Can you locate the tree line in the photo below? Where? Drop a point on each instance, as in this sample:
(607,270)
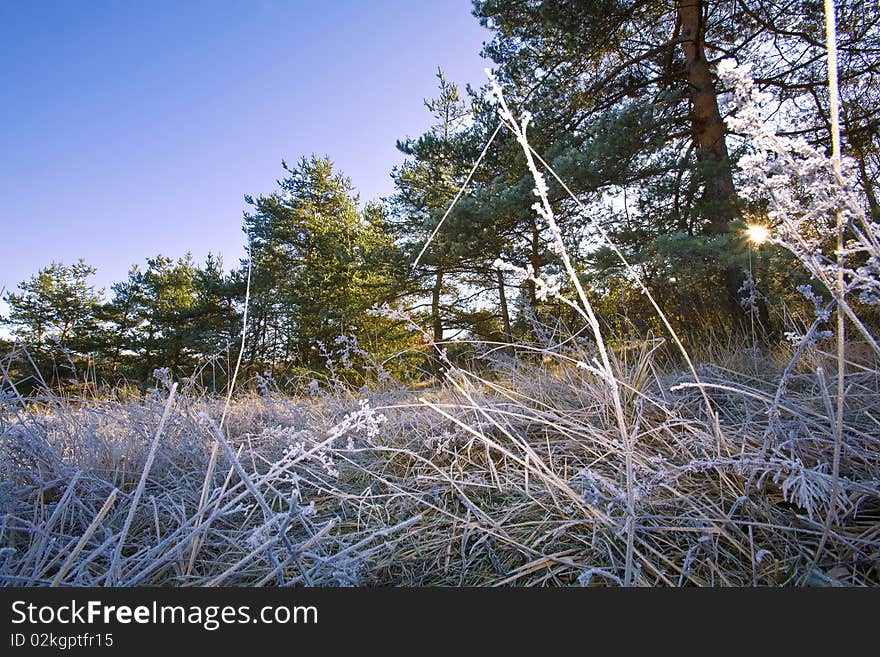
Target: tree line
(626,108)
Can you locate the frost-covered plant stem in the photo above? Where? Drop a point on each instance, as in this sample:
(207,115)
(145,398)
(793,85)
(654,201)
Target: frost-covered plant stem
(113,572)
(840,292)
(824,210)
(716,425)
(545,211)
(809,193)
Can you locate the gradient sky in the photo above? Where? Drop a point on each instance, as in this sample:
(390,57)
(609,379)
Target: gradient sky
(129,129)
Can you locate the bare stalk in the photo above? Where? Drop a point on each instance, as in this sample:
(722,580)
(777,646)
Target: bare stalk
(545,210)
(840,290)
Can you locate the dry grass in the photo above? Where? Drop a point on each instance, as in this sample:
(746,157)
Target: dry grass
(518,478)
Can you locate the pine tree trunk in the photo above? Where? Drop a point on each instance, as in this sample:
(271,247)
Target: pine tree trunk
(707,126)
(437,321)
(867,185)
(259,338)
(707,129)
(535,261)
(505,314)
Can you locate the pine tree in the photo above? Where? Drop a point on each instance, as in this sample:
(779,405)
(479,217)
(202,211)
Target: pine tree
(318,264)
(627,108)
(55,315)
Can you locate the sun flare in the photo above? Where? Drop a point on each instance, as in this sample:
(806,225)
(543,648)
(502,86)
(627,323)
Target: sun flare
(758,234)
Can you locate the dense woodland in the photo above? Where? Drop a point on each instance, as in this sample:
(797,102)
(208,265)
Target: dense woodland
(627,109)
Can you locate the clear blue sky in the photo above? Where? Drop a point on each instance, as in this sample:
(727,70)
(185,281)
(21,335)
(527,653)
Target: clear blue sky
(133,128)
